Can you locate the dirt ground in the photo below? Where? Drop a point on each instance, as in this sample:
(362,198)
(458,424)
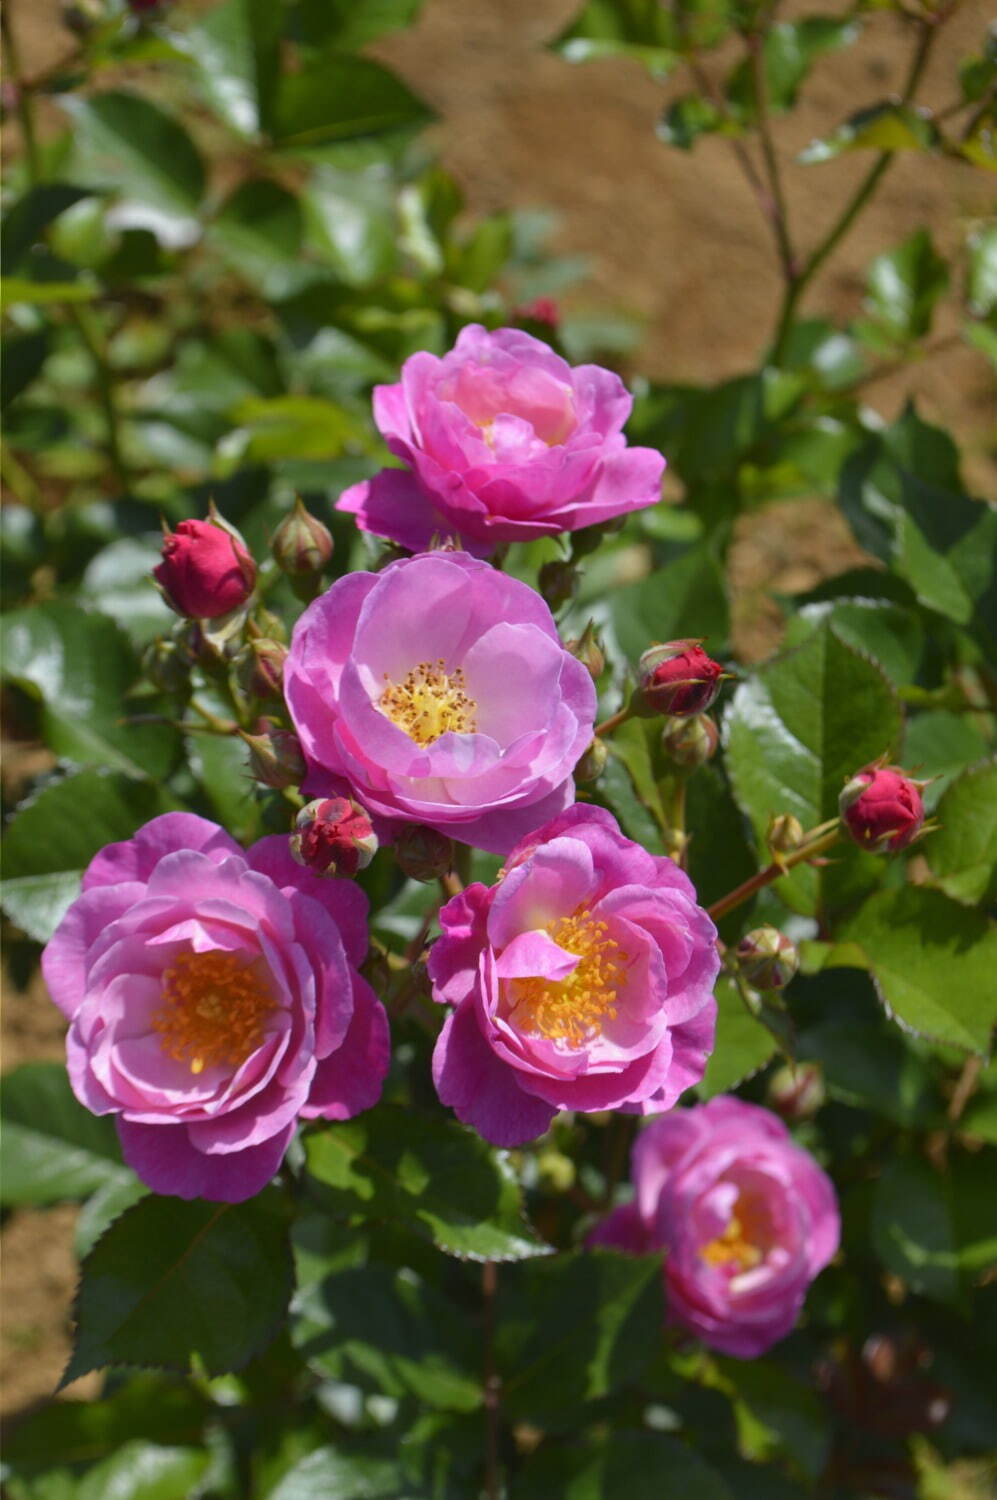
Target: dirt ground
(673,238)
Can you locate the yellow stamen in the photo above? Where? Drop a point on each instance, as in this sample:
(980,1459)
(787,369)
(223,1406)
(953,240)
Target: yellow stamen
(214,1010)
(575,1009)
(430,702)
(734,1247)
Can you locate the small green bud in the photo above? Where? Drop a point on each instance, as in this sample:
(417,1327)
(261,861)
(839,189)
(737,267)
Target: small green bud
(301,545)
(593,762)
(423,853)
(767,958)
(690,743)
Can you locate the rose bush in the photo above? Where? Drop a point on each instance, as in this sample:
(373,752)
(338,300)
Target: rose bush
(213,998)
(505,442)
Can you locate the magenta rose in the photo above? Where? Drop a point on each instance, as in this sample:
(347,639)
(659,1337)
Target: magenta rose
(504,442)
(205,571)
(746,1216)
(439,692)
(213,997)
(582,980)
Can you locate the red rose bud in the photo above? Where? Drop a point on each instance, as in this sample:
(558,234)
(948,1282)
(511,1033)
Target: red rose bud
(301,545)
(205,572)
(333,836)
(677,678)
(784,834)
(260,668)
(690,743)
(797,1093)
(423,853)
(587,650)
(275,756)
(593,762)
(767,959)
(882,809)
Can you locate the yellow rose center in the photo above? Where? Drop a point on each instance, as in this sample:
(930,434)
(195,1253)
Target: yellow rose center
(737,1246)
(572,1010)
(215,1007)
(430,702)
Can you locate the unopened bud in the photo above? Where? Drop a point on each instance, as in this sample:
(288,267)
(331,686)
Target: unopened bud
(677,678)
(588,651)
(543,310)
(301,545)
(275,756)
(259,668)
(881,808)
(557,582)
(797,1092)
(690,743)
(784,834)
(767,959)
(423,853)
(167,665)
(333,836)
(593,762)
(205,571)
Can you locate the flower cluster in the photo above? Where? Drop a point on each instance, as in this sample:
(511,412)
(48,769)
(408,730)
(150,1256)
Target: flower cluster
(746,1217)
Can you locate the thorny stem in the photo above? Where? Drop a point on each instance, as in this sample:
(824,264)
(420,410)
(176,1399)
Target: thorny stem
(794,291)
(774,871)
(492,1383)
(779,214)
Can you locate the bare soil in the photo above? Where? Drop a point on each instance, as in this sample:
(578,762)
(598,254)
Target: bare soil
(675,239)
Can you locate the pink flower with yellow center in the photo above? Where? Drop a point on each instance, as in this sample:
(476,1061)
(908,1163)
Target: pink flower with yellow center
(439,693)
(746,1217)
(504,442)
(213,998)
(582,980)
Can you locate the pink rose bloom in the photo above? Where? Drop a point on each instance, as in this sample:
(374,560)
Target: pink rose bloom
(214,997)
(747,1217)
(582,980)
(505,442)
(439,692)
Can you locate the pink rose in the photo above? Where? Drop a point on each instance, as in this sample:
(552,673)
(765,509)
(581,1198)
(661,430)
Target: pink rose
(505,442)
(881,808)
(582,980)
(439,692)
(213,996)
(747,1218)
(205,571)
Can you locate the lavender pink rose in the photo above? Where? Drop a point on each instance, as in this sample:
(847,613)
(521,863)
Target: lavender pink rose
(504,442)
(747,1219)
(213,998)
(438,692)
(582,980)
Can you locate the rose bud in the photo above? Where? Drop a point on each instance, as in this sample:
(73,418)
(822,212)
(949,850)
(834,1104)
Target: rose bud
(260,668)
(541,310)
(767,959)
(784,835)
(690,743)
(333,836)
(587,650)
(206,571)
(881,808)
(557,582)
(797,1093)
(593,762)
(167,665)
(423,853)
(301,545)
(677,678)
(275,756)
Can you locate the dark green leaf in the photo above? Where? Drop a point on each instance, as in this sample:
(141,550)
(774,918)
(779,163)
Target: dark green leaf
(891,635)
(127,143)
(343,98)
(687,119)
(777,1415)
(23,355)
(145,1471)
(353,222)
(25,221)
(904,284)
(789,50)
(331,1474)
(685,597)
(80,665)
(962,853)
(981,284)
(235,47)
(432,1175)
(258,230)
(573,1329)
(53,1148)
(882,127)
(174,1280)
(743,1045)
(619,1466)
(641,29)
(796,731)
(914,1229)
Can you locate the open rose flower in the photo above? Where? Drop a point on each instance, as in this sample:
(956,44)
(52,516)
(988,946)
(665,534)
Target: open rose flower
(746,1216)
(213,998)
(582,980)
(439,693)
(505,441)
